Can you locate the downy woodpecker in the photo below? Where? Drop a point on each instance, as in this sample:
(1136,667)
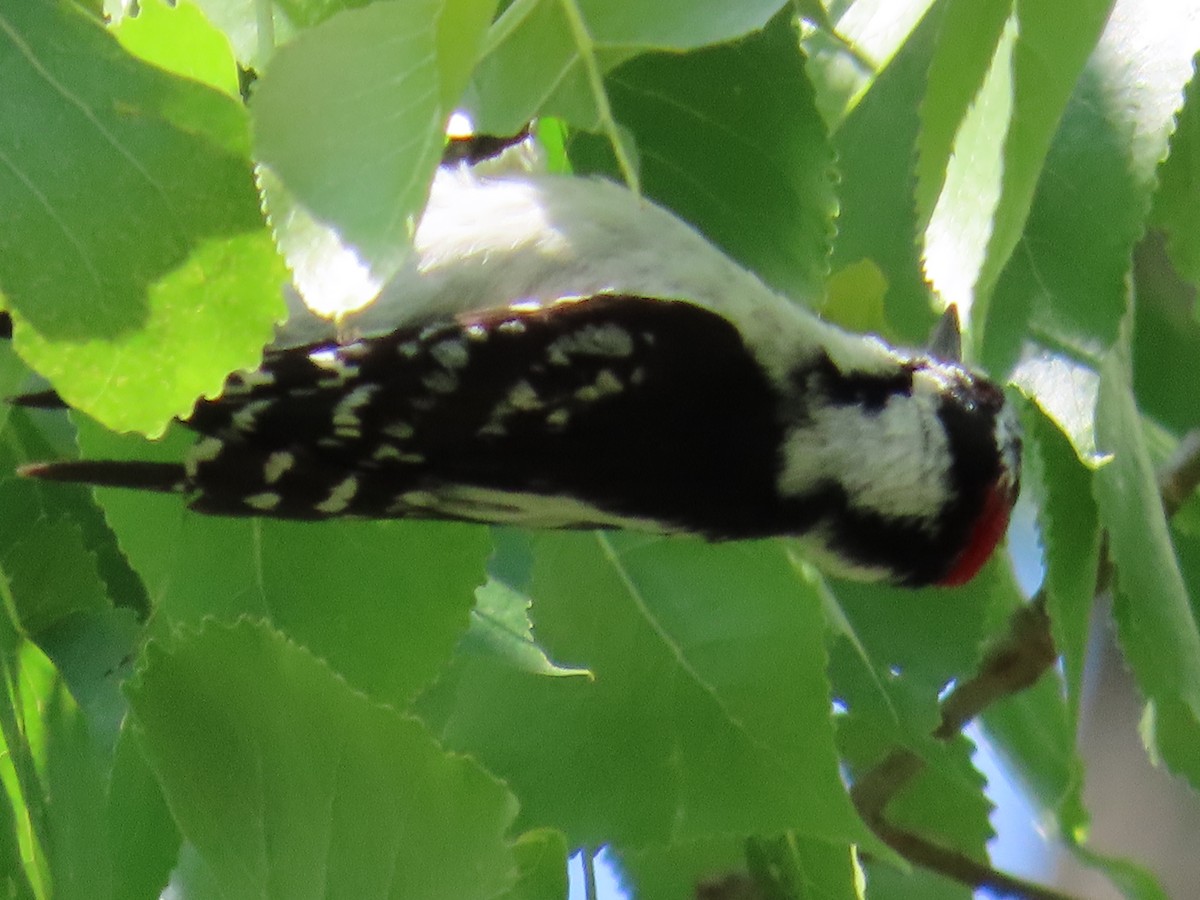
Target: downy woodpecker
(559,353)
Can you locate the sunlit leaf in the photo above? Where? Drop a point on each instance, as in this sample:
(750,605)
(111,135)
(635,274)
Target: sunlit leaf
(1156,622)
(133,242)
(299,781)
(382,602)
(755,178)
(708,697)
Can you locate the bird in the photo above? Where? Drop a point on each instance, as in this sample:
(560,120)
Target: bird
(558,352)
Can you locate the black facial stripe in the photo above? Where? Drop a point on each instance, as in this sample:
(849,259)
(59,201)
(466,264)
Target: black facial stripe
(867,390)
(969,418)
(900,545)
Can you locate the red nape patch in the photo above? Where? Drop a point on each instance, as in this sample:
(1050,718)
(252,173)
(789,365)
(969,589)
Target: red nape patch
(989,528)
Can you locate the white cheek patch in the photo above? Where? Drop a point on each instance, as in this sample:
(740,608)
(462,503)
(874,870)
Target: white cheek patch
(894,462)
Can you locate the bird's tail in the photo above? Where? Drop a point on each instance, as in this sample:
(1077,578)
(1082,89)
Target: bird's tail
(146,476)
(38,400)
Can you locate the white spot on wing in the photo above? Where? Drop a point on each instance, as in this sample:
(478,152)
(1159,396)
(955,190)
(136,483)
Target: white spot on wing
(594,340)
(440,382)
(207,450)
(246,417)
(451,354)
(339,498)
(249,380)
(265,501)
(401,431)
(523,396)
(345,414)
(422,499)
(204,450)
(277,463)
(334,368)
(606,383)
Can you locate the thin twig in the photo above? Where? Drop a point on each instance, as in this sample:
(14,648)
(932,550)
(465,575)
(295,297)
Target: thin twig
(1010,667)
(589,874)
(1181,474)
(960,867)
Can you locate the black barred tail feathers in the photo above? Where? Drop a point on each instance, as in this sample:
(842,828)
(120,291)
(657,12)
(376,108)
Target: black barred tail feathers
(142,476)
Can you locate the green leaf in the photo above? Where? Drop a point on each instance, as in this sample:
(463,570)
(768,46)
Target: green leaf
(708,712)
(54,775)
(1134,881)
(1047,62)
(12,373)
(1177,201)
(134,241)
(673,24)
(62,603)
(26,502)
(1065,391)
(1035,735)
(1166,340)
(1067,287)
(52,577)
(22,850)
(675,872)
(542,865)
(301,785)
(500,628)
(803,867)
(855,298)
(932,635)
(755,178)
(144,837)
(537,62)
(179,39)
(254,30)
(964,117)
(350,116)
(986,133)
(383,602)
(946,803)
(1070,531)
(962,59)
(869,34)
(1155,619)
(877,218)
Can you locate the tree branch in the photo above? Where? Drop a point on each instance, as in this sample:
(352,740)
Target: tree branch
(1181,474)
(959,866)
